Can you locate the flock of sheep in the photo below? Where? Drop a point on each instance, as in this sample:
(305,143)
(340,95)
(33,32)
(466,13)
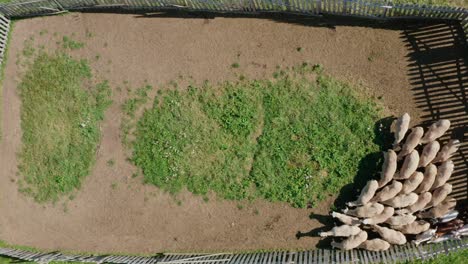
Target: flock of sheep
(412,200)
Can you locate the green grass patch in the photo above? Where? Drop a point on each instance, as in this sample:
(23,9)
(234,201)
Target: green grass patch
(60,116)
(293,139)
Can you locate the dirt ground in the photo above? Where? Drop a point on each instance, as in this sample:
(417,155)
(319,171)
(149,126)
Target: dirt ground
(134,218)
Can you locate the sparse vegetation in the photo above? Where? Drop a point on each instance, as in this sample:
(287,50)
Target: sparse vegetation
(60,123)
(292,139)
(235,65)
(69,43)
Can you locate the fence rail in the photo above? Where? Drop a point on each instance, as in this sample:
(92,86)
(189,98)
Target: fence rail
(393,255)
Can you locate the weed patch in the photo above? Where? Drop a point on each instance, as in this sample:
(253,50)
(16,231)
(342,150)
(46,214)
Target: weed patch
(60,123)
(293,139)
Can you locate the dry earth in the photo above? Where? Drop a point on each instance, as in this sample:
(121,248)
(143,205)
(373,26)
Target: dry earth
(134,218)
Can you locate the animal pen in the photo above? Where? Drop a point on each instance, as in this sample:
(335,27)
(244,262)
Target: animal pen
(370,9)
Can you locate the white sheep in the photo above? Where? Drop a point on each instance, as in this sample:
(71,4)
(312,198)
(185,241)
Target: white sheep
(429,153)
(430,173)
(346,219)
(447,150)
(399,220)
(412,182)
(342,231)
(380,218)
(401,127)
(351,242)
(375,244)
(443,174)
(440,194)
(367,210)
(366,193)
(389,167)
(411,142)
(402,200)
(436,130)
(388,192)
(409,166)
(390,235)
(423,200)
(425,236)
(414,228)
(439,210)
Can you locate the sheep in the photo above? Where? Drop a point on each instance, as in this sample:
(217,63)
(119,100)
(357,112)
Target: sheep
(389,167)
(375,244)
(436,130)
(380,218)
(366,194)
(412,182)
(414,228)
(409,166)
(342,231)
(429,153)
(439,210)
(351,242)
(368,210)
(423,200)
(430,173)
(443,174)
(388,192)
(451,215)
(425,236)
(440,194)
(401,220)
(390,235)
(346,219)
(402,200)
(411,142)
(449,227)
(402,125)
(447,150)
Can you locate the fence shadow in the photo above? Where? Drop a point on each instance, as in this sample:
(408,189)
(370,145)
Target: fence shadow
(438,73)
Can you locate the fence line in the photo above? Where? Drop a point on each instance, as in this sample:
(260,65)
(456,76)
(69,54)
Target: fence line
(395,254)
(376,9)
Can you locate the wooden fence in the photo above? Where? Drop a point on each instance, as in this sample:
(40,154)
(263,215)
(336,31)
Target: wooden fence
(374,9)
(393,255)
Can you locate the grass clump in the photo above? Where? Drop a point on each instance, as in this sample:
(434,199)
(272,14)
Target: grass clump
(69,43)
(291,139)
(60,124)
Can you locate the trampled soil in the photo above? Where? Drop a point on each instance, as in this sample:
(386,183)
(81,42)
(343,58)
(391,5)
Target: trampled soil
(134,218)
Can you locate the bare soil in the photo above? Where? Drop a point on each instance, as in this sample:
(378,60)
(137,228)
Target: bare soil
(134,218)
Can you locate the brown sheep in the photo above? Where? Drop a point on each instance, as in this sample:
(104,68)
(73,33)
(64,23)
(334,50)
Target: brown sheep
(409,166)
(401,127)
(346,219)
(412,182)
(390,235)
(388,192)
(366,194)
(367,210)
(398,220)
(351,242)
(429,153)
(380,218)
(414,228)
(440,194)
(389,167)
(402,200)
(436,130)
(443,174)
(447,150)
(430,173)
(423,200)
(439,210)
(342,231)
(411,142)
(375,244)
